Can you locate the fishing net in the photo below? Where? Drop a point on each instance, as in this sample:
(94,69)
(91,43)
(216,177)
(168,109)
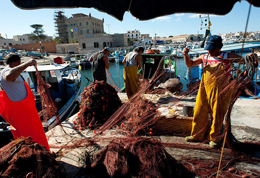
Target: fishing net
(25,158)
(99,102)
(136,157)
(49,109)
(132,130)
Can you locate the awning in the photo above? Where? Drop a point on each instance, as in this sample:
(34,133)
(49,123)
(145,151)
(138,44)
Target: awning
(141,9)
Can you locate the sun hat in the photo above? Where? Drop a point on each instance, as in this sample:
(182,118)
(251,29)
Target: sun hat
(213,42)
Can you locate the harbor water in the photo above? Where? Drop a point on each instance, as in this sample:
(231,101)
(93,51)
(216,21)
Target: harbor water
(116,71)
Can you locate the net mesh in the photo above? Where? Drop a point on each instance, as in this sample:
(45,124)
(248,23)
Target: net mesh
(133,150)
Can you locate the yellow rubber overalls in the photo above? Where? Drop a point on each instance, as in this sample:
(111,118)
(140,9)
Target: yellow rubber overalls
(131,80)
(213,81)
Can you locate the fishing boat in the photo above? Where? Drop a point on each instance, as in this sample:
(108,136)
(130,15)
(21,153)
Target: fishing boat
(85,64)
(3,53)
(64,89)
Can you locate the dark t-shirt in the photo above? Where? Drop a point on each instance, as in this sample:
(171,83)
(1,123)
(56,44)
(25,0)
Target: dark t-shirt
(99,67)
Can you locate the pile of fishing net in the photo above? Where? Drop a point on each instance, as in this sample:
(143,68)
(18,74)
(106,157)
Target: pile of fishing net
(25,158)
(134,117)
(99,102)
(136,157)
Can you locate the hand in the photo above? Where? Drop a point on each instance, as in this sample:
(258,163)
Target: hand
(31,62)
(185,51)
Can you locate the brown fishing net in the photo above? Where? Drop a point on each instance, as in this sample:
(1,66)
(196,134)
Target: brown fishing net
(48,107)
(99,102)
(25,158)
(136,148)
(136,157)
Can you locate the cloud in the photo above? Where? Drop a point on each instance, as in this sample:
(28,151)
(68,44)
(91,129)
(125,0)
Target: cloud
(164,18)
(194,16)
(178,19)
(179,15)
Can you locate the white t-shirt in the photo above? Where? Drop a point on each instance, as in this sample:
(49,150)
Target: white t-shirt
(15,90)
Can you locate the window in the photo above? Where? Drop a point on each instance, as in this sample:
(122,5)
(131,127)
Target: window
(87,30)
(20,39)
(96,45)
(72,34)
(23,39)
(104,44)
(81,31)
(80,24)
(83,45)
(86,23)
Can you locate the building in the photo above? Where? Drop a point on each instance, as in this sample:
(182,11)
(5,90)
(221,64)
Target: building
(134,34)
(197,37)
(4,43)
(87,32)
(78,26)
(25,39)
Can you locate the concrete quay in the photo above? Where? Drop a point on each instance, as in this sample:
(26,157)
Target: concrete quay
(245,122)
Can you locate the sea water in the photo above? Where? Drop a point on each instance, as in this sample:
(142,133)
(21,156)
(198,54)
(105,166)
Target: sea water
(116,71)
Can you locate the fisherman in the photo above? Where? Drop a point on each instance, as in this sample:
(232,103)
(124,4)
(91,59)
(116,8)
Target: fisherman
(132,62)
(208,101)
(17,104)
(100,64)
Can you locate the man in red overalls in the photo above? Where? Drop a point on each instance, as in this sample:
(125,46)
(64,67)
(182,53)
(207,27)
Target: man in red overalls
(17,105)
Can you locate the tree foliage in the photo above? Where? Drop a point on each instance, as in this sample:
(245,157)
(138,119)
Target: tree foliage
(38,33)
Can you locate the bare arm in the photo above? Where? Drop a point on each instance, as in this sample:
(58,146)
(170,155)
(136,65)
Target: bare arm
(138,59)
(188,61)
(105,59)
(124,61)
(12,74)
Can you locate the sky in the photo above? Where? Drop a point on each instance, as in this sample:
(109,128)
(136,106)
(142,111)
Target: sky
(16,21)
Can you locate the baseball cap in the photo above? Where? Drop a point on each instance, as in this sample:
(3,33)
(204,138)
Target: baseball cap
(213,42)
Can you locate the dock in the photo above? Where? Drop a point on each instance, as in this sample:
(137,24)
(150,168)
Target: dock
(245,121)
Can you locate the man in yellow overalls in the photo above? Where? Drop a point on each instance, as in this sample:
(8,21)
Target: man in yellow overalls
(215,78)
(132,63)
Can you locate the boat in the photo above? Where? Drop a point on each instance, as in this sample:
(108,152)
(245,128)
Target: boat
(35,54)
(3,53)
(64,89)
(85,64)
(119,58)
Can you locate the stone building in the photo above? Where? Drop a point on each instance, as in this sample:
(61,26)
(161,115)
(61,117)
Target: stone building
(25,39)
(134,34)
(78,26)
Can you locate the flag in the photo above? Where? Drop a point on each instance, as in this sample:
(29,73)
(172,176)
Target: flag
(209,23)
(76,30)
(71,30)
(201,22)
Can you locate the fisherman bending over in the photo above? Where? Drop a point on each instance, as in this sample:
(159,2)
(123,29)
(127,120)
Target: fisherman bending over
(132,62)
(100,64)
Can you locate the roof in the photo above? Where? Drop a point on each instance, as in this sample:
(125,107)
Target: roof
(46,67)
(141,9)
(230,47)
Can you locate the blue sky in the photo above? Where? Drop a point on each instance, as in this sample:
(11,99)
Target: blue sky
(16,21)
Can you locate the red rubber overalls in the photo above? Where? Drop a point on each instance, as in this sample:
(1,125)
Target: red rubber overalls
(23,117)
